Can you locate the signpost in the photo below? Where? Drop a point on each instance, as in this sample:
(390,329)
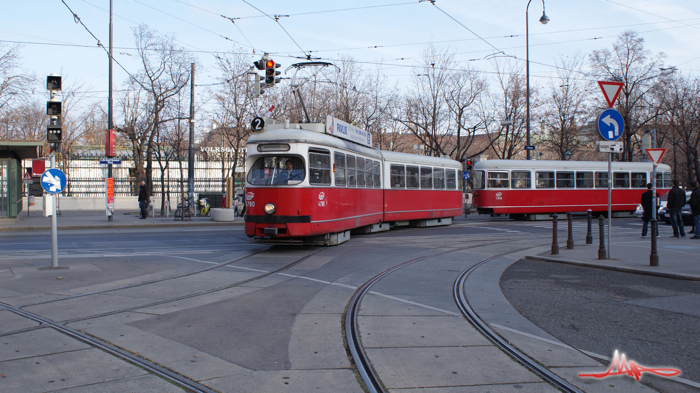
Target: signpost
(53,181)
(610,125)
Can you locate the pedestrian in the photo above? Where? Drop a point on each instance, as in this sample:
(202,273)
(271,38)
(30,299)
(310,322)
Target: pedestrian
(676,201)
(144,200)
(648,209)
(695,209)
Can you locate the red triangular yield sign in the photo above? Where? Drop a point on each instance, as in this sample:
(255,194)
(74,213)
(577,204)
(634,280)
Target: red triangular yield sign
(655,155)
(610,90)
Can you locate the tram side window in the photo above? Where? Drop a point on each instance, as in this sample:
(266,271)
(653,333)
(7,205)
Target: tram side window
(319,168)
(520,179)
(360,163)
(601,180)
(497,179)
(479,180)
(377,174)
(639,179)
(369,168)
(565,180)
(350,170)
(451,179)
(398,178)
(544,179)
(339,169)
(412,177)
(584,179)
(621,180)
(663,180)
(426,177)
(439,178)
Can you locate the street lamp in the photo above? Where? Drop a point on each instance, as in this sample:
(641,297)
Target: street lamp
(543,19)
(567,155)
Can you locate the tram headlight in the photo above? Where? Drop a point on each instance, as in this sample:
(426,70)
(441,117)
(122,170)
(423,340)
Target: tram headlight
(270,208)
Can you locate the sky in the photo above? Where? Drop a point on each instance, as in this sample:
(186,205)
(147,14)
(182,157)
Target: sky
(393,33)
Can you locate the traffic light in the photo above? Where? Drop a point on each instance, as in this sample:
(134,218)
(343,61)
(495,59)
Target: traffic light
(54,130)
(271,73)
(469,164)
(53,109)
(53,83)
(260,64)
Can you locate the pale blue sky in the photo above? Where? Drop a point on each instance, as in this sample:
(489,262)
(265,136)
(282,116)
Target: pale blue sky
(393,32)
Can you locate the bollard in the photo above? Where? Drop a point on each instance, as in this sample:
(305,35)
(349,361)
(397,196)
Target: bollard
(555,246)
(601,230)
(570,238)
(589,235)
(653,257)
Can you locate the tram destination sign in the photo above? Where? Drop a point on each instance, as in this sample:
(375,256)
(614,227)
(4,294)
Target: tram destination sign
(347,131)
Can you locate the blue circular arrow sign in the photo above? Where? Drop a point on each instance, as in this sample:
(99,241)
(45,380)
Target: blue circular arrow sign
(610,124)
(53,181)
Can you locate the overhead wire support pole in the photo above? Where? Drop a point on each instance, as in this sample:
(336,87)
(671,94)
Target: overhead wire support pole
(544,19)
(110,217)
(190,150)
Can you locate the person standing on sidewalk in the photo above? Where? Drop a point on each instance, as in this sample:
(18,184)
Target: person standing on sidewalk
(695,209)
(647,207)
(676,201)
(144,199)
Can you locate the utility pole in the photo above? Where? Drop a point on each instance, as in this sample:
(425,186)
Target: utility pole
(110,217)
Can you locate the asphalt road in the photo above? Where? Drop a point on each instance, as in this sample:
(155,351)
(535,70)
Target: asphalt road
(654,321)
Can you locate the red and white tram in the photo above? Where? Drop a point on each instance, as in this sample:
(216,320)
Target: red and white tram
(534,189)
(304,182)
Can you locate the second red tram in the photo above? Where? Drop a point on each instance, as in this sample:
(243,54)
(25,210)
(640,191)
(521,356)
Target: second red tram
(534,189)
(304,182)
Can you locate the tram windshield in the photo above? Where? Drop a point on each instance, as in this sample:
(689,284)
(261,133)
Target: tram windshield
(277,171)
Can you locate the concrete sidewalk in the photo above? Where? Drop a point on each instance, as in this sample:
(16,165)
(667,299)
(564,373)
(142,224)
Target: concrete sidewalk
(74,219)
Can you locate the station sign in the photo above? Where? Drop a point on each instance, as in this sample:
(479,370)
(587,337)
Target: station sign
(112,161)
(529,147)
(347,131)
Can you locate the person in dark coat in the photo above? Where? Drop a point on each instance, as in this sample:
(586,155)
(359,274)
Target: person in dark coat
(648,209)
(144,199)
(676,201)
(695,209)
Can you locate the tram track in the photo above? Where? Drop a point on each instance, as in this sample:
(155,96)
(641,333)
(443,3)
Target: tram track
(362,362)
(364,367)
(124,354)
(501,343)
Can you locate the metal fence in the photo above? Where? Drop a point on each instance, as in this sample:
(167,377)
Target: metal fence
(86,178)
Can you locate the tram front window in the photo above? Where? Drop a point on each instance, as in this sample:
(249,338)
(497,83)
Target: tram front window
(276,171)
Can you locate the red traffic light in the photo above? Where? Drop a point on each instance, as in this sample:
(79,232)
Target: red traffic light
(270,64)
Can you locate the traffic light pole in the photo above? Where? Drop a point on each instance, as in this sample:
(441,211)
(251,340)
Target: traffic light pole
(54,221)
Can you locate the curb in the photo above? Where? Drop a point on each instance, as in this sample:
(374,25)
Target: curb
(617,268)
(118,226)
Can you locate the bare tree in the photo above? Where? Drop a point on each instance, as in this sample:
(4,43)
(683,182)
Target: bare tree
(629,62)
(464,89)
(424,112)
(165,72)
(14,84)
(502,113)
(681,113)
(566,108)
